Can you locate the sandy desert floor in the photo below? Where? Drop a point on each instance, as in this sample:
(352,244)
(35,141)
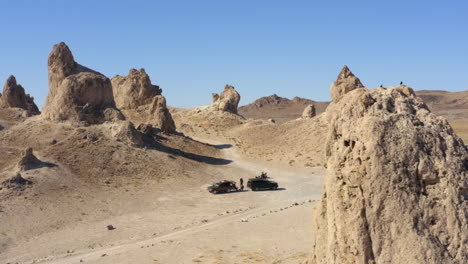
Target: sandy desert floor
(178,221)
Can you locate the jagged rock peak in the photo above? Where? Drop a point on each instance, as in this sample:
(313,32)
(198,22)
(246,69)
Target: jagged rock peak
(60,62)
(134,90)
(396,188)
(76,93)
(309,112)
(11,81)
(15,96)
(345,82)
(228,101)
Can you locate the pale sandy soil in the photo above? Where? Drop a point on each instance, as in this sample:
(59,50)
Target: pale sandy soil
(171,221)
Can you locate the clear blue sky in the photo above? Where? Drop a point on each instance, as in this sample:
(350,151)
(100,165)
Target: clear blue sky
(193,48)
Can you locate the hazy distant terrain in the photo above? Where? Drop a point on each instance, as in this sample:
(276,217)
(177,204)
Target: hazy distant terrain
(280,109)
(451,105)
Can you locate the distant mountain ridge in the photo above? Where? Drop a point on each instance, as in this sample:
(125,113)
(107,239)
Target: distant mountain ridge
(451,105)
(279,108)
(438,99)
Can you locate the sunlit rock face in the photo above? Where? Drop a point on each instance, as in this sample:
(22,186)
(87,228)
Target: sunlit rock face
(396,186)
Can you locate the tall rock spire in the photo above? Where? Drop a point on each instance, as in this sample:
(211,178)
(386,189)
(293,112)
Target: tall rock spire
(345,82)
(15,96)
(76,93)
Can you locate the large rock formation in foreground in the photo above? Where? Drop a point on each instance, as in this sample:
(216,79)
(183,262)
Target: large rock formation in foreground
(76,93)
(227,101)
(345,82)
(15,96)
(133,90)
(396,187)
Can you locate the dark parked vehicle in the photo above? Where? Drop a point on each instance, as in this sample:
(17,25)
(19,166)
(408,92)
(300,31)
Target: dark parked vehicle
(261,183)
(224,186)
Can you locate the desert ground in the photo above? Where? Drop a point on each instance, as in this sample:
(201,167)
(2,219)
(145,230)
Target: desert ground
(117,176)
(163,214)
(173,220)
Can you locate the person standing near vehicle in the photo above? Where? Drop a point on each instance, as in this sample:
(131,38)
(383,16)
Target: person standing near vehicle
(241,184)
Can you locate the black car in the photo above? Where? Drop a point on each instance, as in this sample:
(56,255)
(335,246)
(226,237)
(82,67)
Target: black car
(224,186)
(261,183)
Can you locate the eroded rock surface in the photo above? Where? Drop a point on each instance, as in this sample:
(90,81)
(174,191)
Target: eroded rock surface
(227,101)
(15,96)
(345,82)
(125,131)
(161,117)
(76,93)
(396,187)
(134,90)
(215,97)
(309,112)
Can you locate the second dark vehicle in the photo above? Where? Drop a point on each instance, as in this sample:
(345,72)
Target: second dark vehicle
(223,187)
(261,184)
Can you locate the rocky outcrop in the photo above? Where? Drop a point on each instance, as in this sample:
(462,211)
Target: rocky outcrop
(76,93)
(16,182)
(124,131)
(133,90)
(396,189)
(15,96)
(345,83)
(227,101)
(309,112)
(142,101)
(215,97)
(28,161)
(161,117)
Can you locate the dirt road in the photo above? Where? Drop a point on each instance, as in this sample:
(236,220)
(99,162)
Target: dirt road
(190,225)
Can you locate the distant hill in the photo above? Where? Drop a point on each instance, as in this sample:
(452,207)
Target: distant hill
(442,101)
(452,105)
(279,108)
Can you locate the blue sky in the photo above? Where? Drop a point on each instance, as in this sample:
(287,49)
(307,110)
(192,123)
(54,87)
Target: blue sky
(193,48)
